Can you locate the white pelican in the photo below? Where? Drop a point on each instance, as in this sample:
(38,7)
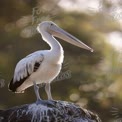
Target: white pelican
(43,66)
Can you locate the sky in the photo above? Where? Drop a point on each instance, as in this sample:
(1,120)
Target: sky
(114,38)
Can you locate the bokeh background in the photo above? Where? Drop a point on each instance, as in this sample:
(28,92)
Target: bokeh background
(92,80)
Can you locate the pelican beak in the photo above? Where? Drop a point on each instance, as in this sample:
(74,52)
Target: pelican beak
(60,33)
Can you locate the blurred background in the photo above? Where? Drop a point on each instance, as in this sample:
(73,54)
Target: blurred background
(92,80)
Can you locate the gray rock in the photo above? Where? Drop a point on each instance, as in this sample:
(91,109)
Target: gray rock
(54,111)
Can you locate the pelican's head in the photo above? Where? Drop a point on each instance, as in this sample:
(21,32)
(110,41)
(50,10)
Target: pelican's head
(45,26)
(56,31)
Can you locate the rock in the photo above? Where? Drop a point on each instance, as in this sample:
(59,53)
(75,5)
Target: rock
(51,111)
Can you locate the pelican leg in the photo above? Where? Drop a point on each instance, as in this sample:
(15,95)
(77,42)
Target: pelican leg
(39,100)
(36,89)
(48,91)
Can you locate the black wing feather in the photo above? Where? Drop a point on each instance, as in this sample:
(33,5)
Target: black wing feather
(36,66)
(14,85)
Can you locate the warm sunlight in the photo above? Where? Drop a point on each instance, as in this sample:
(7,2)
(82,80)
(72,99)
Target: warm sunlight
(115,38)
(80,5)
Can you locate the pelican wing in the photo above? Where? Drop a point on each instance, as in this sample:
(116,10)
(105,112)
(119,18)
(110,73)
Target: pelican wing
(25,68)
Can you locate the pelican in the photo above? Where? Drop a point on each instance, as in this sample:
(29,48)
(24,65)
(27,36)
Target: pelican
(43,66)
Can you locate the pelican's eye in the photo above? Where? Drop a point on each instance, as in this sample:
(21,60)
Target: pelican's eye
(51,24)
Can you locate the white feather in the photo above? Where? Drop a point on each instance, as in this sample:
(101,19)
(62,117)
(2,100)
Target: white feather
(26,65)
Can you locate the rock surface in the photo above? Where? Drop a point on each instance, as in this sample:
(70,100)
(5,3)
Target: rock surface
(54,111)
